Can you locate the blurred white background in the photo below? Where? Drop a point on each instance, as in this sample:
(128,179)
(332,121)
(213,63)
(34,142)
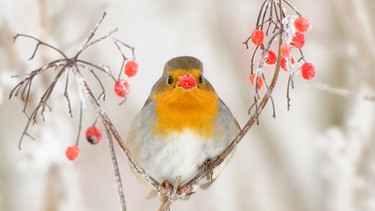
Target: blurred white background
(317,156)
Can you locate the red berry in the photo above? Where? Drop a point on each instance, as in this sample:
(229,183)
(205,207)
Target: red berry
(298,40)
(286,50)
(131,68)
(252,80)
(257,37)
(72,152)
(283,63)
(308,70)
(122,87)
(187,81)
(271,57)
(93,134)
(302,24)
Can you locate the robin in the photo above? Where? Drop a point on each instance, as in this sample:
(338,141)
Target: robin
(182,124)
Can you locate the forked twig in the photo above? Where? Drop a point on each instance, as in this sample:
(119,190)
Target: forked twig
(76,66)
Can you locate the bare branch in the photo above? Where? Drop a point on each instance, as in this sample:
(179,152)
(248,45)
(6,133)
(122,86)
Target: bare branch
(66,95)
(92,34)
(39,42)
(120,188)
(24,87)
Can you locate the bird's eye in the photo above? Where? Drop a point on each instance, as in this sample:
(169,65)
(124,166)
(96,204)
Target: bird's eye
(200,79)
(170,80)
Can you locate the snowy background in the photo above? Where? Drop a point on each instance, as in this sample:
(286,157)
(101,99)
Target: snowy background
(320,155)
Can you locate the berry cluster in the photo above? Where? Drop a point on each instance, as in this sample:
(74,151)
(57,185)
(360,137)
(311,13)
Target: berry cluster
(278,39)
(122,86)
(81,69)
(293,37)
(94,133)
(93,136)
(78,69)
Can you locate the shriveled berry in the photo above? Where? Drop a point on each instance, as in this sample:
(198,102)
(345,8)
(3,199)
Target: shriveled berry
(298,40)
(286,50)
(308,70)
(252,78)
(284,62)
(93,134)
(72,152)
(271,57)
(131,68)
(122,87)
(302,24)
(257,37)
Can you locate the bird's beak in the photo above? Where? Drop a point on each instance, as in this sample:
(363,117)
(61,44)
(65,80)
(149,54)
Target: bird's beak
(187,81)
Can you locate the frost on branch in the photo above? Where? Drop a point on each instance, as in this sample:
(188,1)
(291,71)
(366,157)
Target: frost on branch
(284,33)
(74,68)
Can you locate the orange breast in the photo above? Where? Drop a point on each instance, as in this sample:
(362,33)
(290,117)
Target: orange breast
(180,109)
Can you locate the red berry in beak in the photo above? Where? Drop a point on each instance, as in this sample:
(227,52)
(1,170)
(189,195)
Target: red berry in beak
(187,81)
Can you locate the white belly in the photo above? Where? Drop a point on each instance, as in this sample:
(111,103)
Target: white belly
(179,154)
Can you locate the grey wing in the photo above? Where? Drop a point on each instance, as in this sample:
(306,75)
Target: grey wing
(141,130)
(227,129)
(227,121)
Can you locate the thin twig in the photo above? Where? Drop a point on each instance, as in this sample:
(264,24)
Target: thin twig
(66,94)
(39,42)
(120,187)
(80,121)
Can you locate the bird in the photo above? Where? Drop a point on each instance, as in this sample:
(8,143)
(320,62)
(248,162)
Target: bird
(182,124)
